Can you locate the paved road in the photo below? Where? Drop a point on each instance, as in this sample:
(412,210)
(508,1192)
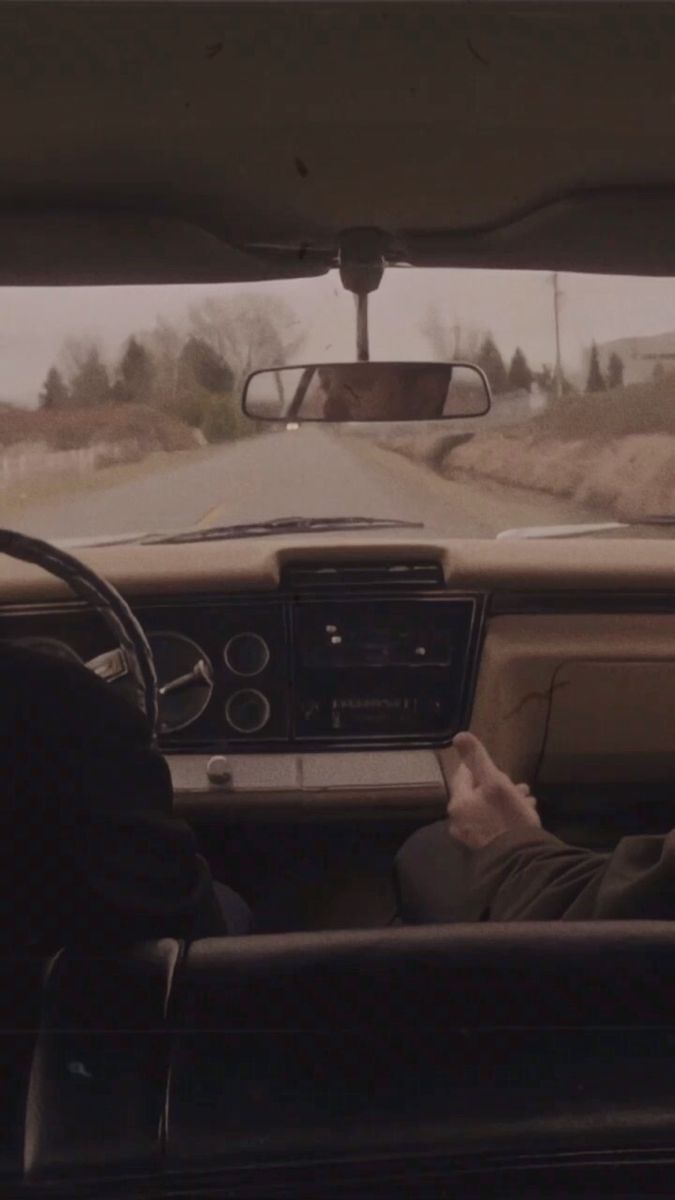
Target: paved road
(309,472)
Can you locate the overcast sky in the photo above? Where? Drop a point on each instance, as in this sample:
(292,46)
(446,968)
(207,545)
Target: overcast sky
(517,307)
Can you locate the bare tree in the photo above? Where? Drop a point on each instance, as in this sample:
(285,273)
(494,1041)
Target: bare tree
(442,338)
(450,340)
(248,331)
(470,342)
(75,353)
(165,344)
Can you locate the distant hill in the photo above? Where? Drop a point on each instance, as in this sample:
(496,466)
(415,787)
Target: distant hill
(633,352)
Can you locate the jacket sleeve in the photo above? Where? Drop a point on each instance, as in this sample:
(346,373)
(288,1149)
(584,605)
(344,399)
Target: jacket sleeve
(92,847)
(138,864)
(531,875)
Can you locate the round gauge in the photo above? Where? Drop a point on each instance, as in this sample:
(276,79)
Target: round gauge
(247,711)
(247,654)
(184,677)
(51,646)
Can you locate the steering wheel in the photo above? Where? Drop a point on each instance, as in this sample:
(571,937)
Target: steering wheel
(100,595)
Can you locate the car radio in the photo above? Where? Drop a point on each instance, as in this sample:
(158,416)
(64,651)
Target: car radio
(381,669)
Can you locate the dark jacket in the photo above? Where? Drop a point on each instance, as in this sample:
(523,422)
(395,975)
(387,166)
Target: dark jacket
(530,875)
(90,849)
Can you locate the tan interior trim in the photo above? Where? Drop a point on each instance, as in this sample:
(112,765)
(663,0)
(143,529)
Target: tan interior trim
(307,786)
(484,565)
(523,658)
(548,707)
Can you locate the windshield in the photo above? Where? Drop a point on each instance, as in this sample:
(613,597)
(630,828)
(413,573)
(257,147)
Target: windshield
(120,408)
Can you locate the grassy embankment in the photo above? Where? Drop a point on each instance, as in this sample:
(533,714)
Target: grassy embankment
(44,454)
(614,451)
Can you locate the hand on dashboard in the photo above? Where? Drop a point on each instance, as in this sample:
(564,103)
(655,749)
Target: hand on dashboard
(484,802)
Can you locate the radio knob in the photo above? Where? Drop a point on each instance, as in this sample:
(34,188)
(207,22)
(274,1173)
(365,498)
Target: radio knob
(218,771)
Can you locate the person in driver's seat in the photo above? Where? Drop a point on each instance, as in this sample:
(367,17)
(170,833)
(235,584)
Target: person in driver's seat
(90,849)
(492,860)
(394,392)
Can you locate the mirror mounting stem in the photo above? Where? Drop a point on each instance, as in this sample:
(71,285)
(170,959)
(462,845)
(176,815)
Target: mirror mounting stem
(362,338)
(362,263)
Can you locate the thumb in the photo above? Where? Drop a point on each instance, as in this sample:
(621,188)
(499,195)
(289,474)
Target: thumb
(461,785)
(473,754)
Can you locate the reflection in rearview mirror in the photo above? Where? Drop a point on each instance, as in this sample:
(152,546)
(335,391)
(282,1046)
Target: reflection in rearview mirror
(369,391)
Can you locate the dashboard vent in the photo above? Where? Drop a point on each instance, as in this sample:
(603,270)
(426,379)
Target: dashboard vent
(392,576)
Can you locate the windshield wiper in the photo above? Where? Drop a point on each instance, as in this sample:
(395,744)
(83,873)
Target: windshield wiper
(525,532)
(277,525)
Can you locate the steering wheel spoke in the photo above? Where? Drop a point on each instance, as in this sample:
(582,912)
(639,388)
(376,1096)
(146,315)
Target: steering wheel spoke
(110,666)
(133,656)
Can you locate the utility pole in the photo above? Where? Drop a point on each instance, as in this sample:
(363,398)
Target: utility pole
(556,313)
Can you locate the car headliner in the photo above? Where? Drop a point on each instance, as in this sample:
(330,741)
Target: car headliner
(174,141)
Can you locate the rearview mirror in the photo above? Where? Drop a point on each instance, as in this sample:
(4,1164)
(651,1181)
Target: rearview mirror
(368,391)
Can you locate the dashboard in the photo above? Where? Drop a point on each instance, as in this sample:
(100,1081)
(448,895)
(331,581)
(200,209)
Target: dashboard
(339,657)
(332,675)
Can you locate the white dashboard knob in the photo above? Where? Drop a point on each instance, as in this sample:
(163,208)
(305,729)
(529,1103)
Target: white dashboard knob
(218,770)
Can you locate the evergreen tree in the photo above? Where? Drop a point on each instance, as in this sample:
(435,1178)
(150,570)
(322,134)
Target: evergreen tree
(520,375)
(490,359)
(204,395)
(595,381)
(90,384)
(135,382)
(615,371)
(206,367)
(54,392)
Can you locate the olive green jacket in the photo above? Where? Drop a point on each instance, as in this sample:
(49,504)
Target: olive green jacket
(529,874)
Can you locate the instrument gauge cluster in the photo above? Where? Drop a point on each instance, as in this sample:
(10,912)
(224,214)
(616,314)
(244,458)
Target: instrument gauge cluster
(246,654)
(187,680)
(184,677)
(223,673)
(247,711)
(312,669)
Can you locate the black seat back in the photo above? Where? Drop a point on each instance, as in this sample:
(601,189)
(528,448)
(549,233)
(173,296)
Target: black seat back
(22,980)
(456,1040)
(99,1071)
(413,1038)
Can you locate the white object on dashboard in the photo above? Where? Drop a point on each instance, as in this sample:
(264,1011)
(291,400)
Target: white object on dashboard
(557,531)
(218,771)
